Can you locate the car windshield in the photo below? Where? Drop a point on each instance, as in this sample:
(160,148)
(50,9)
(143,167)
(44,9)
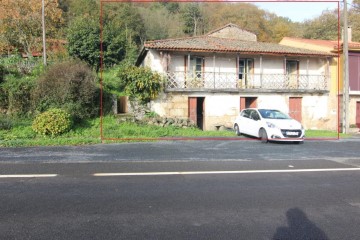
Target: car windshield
(273,114)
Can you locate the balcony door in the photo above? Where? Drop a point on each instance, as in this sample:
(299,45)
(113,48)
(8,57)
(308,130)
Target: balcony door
(196,72)
(246,68)
(292,72)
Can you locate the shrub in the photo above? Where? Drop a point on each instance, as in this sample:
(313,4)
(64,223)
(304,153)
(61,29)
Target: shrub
(5,122)
(16,94)
(2,73)
(52,122)
(70,86)
(140,83)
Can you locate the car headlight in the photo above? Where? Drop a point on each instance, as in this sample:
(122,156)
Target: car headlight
(302,127)
(271,125)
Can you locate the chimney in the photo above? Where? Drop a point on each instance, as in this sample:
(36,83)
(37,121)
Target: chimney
(349,34)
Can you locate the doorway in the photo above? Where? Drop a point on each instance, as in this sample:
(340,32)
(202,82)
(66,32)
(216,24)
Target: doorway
(197,110)
(295,107)
(248,102)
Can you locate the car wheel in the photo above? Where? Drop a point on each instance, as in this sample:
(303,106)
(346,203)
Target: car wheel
(237,130)
(263,136)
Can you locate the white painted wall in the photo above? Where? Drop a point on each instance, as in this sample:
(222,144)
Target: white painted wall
(227,63)
(153,61)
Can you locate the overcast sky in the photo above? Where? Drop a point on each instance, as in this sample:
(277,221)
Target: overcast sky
(298,11)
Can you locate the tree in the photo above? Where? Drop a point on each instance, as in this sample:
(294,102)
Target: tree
(84,40)
(354,20)
(21,23)
(160,23)
(323,27)
(122,35)
(193,18)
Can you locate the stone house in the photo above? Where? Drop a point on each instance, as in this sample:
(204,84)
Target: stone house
(210,78)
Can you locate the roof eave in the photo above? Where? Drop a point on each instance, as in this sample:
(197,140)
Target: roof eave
(244,52)
(141,56)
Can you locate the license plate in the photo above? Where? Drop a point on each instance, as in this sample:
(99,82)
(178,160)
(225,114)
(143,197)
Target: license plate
(292,133)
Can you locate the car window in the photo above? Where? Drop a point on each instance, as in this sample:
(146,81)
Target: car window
(245,114)
(254,115)
(273,114)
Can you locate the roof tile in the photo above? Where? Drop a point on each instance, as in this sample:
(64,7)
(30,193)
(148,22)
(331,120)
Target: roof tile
(215,44)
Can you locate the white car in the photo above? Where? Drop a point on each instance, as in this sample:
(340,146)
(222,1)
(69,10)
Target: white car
(268,125)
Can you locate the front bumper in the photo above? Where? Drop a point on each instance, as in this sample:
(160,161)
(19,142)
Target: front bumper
(290,135)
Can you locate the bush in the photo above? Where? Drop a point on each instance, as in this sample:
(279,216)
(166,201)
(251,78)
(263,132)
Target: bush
(5,122)
(16,94)
(140,83)
(70,86)
(52,122)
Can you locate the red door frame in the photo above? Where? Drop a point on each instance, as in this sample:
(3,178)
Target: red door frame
(295,108)
(192,109)
(248,102)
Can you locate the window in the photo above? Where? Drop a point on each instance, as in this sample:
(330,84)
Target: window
(292,67)
(196,66)
(246,68)
(292,72)
(254,115)
(246,113)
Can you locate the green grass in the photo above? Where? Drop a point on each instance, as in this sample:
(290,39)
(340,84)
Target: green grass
(88,132)
(324,134)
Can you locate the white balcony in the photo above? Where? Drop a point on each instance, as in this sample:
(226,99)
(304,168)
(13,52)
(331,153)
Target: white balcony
(231,81)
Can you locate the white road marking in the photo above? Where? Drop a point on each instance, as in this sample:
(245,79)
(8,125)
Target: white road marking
(28,175)
(223,172)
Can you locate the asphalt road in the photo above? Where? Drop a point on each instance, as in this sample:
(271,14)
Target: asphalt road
(182,190)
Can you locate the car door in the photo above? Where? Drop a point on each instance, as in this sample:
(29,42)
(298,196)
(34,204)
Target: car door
(244,121)
(254,123)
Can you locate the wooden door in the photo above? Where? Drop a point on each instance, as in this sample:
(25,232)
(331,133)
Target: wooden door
(295,107)
(358,114)
(192,109)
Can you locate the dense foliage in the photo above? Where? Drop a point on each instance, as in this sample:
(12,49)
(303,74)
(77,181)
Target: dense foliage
(17,83)
(140,83)
(20,24)
(52,122)
(68,85)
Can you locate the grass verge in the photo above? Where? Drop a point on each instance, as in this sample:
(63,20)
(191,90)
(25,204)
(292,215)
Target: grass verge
(88,132)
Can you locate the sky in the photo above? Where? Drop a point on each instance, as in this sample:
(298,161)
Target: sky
(298,11)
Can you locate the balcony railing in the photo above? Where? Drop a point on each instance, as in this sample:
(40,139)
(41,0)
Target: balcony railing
(222,80)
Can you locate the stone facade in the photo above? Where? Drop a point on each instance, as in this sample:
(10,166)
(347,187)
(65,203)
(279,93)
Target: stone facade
(221,109)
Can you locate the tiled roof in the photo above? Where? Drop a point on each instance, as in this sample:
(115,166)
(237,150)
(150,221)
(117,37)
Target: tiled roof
(325,43)
(215,44)
(351,46)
